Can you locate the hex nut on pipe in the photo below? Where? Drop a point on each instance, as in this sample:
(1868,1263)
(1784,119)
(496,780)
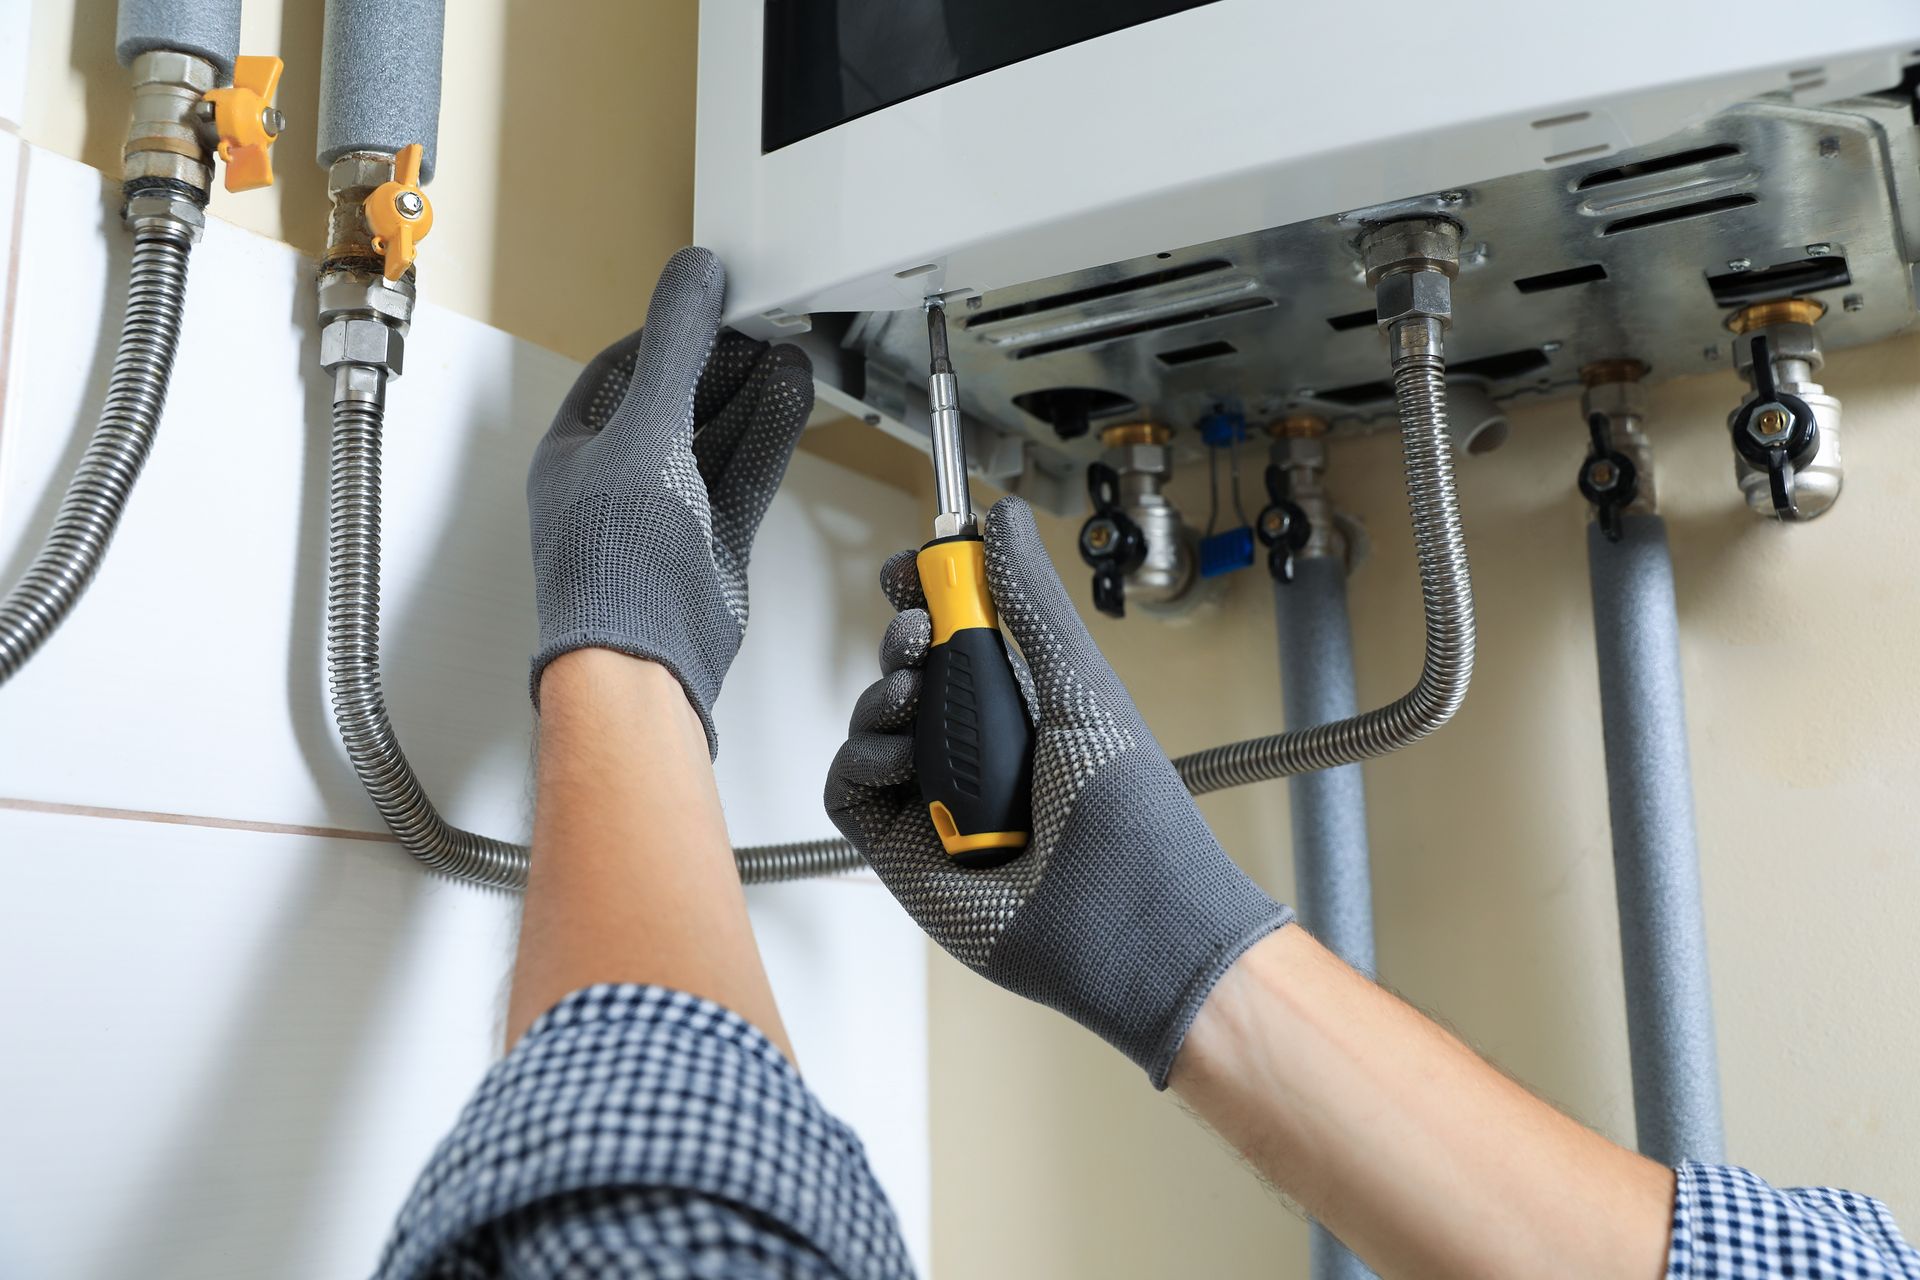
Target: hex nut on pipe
(347,293)
(363,341)
(1146,459)
(151,210)
(1300,451)
(1411,295)
(1411,245)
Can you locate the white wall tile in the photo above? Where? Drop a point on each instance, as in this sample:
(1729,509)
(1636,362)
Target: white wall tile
(228,1052)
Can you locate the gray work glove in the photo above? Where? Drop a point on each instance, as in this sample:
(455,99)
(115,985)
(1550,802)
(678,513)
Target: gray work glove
(645,494)
(1124,911)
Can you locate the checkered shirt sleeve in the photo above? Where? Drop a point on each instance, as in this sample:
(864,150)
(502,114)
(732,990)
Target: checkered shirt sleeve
(637,1131)
(1729,1225)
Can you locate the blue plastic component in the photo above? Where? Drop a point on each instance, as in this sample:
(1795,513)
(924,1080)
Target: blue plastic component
(1226,552)
(1222,429)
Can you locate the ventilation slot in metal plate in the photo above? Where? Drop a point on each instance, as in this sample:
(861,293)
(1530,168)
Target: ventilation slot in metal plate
(1191,355)
(1678,213)
(1561,279)
(1093,293)
(1658,164)
(1354,320)
(1808,275)
(1112,333)
(1494,368)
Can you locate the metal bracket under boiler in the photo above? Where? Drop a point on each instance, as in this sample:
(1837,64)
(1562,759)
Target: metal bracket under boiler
(1643,252)
(880,396)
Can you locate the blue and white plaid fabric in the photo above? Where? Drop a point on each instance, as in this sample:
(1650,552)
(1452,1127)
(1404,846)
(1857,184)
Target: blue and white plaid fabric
(1729,1225)
(637,1131)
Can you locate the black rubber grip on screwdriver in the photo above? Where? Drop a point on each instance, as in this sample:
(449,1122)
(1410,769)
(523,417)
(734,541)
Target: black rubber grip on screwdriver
(973,744)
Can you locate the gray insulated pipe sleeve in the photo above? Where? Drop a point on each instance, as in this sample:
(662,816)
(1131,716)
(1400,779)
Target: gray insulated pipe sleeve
(1663,946)
(1333,887)
(208,28)
(359,700)
(1332,883)
(380,78)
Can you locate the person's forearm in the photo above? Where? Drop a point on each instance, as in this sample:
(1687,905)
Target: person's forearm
(1421,1157)
(632,875)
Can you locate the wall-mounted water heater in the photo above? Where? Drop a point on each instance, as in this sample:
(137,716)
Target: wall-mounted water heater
(1148,209)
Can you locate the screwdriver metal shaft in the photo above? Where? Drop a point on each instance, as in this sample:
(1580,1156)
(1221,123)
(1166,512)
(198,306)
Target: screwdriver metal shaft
(955,504)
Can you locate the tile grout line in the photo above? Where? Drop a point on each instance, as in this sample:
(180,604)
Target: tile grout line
(56,809)
(189,820)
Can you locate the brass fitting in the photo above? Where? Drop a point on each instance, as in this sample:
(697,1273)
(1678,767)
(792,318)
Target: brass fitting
(1123,434)
(350,180)
(166,146)
(1762,315)
(1602,372)
(1297,426)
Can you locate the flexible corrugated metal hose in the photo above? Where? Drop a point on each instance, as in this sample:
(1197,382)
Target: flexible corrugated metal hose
(353,647)
(1446,587)
(97,495)
(360,708)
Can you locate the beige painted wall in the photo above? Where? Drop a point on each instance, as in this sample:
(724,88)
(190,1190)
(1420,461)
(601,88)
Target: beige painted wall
(622,129)
(1494,889)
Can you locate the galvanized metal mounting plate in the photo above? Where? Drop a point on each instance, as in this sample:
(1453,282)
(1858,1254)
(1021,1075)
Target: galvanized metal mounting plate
(1638,254)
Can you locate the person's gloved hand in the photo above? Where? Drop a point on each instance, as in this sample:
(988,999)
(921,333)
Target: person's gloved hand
(1124,911)
(641,527)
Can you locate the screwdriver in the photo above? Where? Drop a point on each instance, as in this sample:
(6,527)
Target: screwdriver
(972,744)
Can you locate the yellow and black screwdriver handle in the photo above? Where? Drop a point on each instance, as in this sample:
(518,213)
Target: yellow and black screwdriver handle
(972,745)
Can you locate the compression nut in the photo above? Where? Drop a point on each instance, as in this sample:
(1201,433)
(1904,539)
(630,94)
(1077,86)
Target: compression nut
(1411,295)
(363,293)
(1411,245)
(154,210)
(355,340)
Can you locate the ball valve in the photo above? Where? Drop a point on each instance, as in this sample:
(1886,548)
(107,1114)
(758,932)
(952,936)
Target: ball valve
(1786,432)
(1135,542)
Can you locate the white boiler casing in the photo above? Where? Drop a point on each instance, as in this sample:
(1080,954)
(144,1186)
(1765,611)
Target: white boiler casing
(1232,117)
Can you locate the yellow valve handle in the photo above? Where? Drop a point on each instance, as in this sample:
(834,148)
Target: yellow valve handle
(247,124)
(399,214)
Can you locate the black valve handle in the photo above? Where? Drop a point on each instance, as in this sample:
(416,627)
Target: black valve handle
(1282,526)
(1608,478)
(1779,454)
(1110,542)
